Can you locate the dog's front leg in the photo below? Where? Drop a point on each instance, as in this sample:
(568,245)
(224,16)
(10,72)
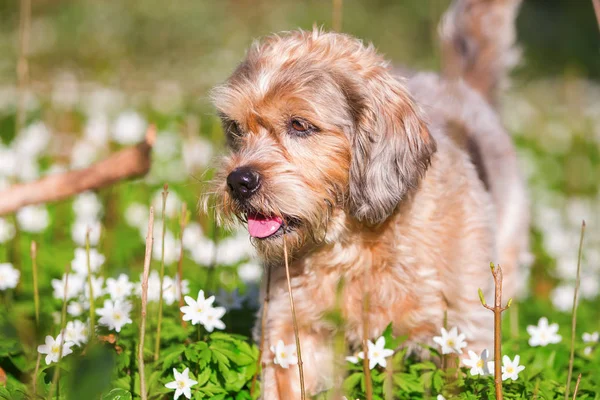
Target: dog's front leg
(317,356)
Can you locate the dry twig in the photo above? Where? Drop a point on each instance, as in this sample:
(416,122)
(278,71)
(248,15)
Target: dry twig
(497,310)
(576,387)
(574,314)
(294,321)
(147,258)
(127,163)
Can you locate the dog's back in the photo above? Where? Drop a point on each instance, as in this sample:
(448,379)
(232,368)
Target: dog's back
(477,38)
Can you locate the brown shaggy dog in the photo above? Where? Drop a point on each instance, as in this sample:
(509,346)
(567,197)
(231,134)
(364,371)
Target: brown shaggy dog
(403,187)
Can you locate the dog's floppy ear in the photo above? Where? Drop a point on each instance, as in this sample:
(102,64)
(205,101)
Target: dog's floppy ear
(391,148)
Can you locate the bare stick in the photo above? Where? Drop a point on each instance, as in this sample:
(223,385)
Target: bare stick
(263,327)
(61,334)
(574,316)
(294,322)
(576,387)
(23,64)
(36,295)
(182,224)
(128,163)
(596,4)
(90,286)
(337,15)
(497,310)
(147,258)
(365,344)
(165,193)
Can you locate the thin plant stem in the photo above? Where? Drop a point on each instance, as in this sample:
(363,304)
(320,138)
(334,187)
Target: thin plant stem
(36,294)
(165,194)
(90,287)
(574,313)
(263,327)
(294,321)
(497,309)
(514,321)
(35,373)
(182,224)
(63,323)
(576,387)
(147,258)
(365,333)
(536,389)
(337,15)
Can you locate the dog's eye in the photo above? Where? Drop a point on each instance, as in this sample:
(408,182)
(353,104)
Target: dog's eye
(301,127)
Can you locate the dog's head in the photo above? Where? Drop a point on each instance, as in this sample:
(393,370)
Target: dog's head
(316,123)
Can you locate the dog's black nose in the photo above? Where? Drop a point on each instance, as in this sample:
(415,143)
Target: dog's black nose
(243,182)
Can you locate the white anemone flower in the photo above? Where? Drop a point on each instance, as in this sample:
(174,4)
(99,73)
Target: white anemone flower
(52,349)
(171,286)
(477,363)
(153,286)
(119,288)
(87,206)
(250,272)
(562,297)
(182,384)
(284,355)
(451,342)
(543,334)
(33,219)
(76,332)
(196,310)
(136,216)
(377,353)
(80,262)
(192,236)
(591,339)
(97,287)
(511,368)
(74,286)
(115,315)
(80,229)
(9,276)
(76,308)
(212,318)
(129,128)
(7,230)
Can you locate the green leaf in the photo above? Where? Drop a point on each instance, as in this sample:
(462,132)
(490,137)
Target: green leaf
(117,394)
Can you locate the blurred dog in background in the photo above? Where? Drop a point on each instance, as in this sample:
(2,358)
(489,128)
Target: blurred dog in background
(404,187)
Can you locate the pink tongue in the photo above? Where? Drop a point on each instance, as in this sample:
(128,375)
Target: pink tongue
(260,226)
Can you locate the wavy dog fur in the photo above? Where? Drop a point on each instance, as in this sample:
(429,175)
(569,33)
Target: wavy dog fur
(413,179)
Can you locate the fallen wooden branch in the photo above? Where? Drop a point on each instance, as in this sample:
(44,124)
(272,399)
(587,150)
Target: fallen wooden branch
(128,163)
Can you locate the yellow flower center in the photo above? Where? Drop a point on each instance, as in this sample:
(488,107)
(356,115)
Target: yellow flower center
(450,343)
(480,364)
(510,370)
(55,349)
(282,354)
(117,316)
(180,384)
